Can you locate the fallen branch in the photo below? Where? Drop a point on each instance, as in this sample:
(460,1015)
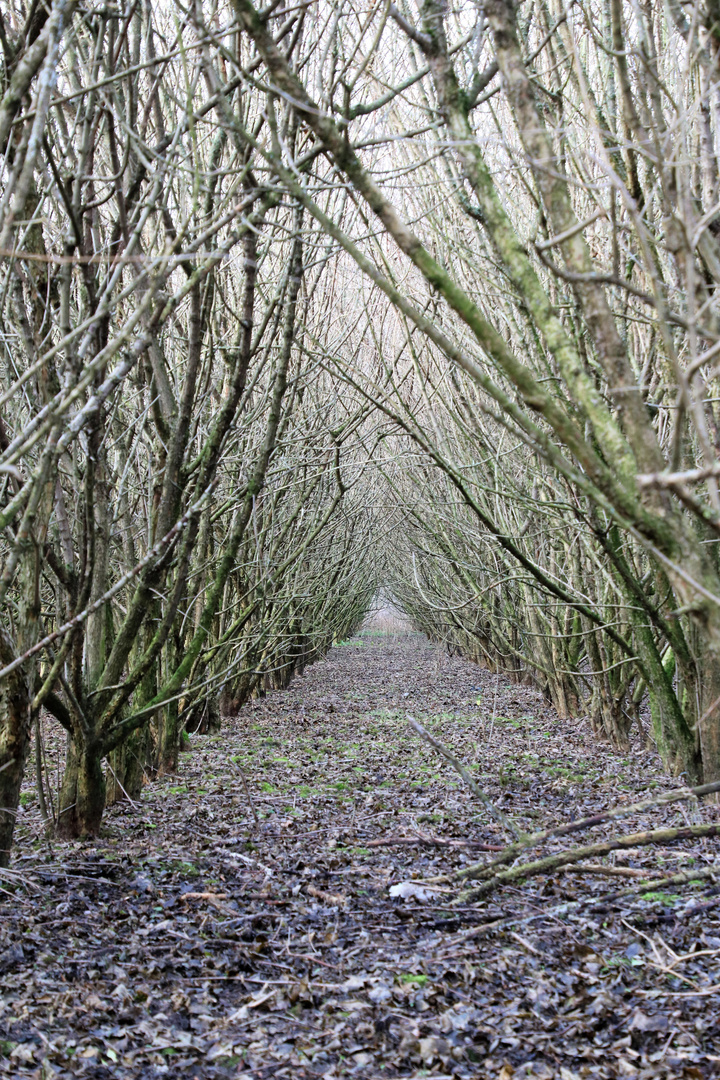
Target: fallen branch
(481,870)
(459,768)
(563,858)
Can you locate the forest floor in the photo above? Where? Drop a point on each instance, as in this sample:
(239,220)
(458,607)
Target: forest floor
(193,941)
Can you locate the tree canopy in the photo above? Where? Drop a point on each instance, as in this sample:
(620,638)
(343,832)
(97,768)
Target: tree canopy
(305,302)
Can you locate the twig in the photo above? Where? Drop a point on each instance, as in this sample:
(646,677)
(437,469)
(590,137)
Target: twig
(117,781)
(333,899)
(432,841)
(706,991)
(215,899)
(525,944)
(605,871)
(497,814)
(267,870)
(544,245)
(247,792)
(670,479)
(16,877)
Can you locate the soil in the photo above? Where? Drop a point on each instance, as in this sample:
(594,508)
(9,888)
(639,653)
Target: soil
(238,921)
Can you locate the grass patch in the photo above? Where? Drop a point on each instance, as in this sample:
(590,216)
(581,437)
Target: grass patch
(187,868)
(409,978)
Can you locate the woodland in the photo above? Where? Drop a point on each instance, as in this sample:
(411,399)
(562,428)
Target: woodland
(359,525)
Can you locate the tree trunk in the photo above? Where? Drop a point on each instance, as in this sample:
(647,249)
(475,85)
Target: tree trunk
(82,796)
(15,728)
(675,739)
(168,739)
(709,721)
(205,717)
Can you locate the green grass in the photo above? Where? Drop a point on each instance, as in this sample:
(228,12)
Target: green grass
(616,962)
(187,868)
(409,977)
(509,720)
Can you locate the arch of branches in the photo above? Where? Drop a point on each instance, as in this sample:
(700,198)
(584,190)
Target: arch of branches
(303,301)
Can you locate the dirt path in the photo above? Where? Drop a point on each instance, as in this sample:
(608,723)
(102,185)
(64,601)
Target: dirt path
(192,942)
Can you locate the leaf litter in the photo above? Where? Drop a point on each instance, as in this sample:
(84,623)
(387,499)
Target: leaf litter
(315,930)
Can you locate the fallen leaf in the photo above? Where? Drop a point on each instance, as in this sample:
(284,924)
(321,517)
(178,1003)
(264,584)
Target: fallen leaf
(642,1022)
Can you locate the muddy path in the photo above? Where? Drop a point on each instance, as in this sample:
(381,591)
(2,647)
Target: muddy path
(214,932)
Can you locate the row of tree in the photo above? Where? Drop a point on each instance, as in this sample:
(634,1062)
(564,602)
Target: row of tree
(182,525)
(298,298)
(535,213)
